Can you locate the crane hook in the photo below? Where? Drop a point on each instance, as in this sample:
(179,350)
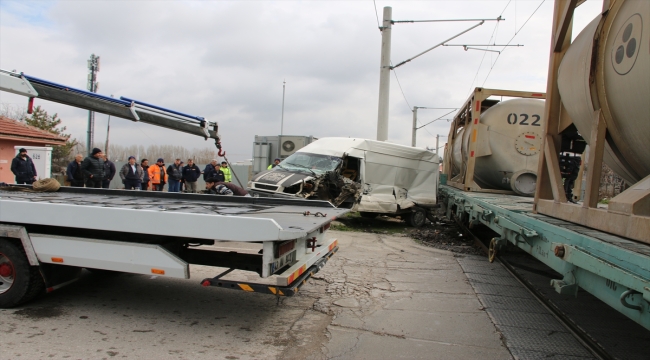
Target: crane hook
(221,152)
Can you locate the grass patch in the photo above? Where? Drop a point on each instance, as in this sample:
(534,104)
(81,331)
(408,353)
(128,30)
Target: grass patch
(604,201)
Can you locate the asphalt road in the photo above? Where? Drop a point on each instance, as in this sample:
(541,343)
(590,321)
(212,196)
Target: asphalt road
(379,297)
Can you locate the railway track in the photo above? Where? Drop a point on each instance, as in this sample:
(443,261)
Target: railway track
(482,236)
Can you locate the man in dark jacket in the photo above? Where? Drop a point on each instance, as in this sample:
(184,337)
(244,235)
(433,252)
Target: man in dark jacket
(23,168)
(93,169)
(191,174)
(236,190)
(213,170)
(211,188)
(174,175)
(145,178)
(73,173)
(109,172)
(131,174)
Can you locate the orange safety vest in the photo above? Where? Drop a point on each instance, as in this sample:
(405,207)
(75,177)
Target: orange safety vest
(154,174)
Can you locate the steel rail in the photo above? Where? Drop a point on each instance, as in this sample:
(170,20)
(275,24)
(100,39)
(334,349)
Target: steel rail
(582,336)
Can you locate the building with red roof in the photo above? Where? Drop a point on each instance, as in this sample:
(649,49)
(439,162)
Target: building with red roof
(15,133)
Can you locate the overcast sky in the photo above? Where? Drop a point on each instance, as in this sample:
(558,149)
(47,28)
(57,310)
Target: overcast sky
(226,61)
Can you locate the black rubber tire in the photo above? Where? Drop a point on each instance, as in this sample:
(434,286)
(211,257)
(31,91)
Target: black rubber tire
(368,215)
(417,217)
(28,281)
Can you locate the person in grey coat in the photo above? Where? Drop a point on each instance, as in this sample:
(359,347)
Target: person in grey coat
(132,174)
(93,169)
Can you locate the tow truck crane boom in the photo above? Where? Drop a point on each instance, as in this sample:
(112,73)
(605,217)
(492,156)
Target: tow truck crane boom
(134,110)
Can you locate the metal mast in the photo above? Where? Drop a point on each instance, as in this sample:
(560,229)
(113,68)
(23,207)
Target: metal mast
(282,119)
(93,67)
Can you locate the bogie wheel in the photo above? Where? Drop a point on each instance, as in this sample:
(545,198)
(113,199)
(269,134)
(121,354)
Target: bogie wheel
(417,217)
(19,282)
(492,251)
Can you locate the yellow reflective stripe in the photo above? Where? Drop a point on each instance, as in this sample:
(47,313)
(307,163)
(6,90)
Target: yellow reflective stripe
(245,287)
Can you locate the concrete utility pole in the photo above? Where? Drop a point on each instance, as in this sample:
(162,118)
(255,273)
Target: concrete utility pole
(437,141)
(384,76)
(93,66)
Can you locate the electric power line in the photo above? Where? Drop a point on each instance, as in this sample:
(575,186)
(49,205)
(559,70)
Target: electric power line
(377,15)
(496,30)
(512,38)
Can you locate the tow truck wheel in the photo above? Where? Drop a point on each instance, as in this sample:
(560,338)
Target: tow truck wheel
(19,282)
(417,217)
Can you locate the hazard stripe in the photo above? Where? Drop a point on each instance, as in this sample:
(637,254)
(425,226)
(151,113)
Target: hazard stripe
(472,154)
(474,135)
(476,121)
(333,245)
(478,105)
(246,287)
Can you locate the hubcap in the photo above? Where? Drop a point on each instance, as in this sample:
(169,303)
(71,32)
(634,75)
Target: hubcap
(6,273)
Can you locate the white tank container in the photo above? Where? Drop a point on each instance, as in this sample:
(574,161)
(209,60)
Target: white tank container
(508,140)
(618,81)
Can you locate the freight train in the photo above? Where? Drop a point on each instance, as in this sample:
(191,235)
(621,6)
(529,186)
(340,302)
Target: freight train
(599,87)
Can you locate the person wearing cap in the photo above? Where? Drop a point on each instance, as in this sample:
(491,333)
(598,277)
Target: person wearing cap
(23,168)
(191,174)
(213,170)
(93,169)
(276,162)
(109,172)
(175,174)
(158,175)
(212,188)
(227,174)
(74,174)
(132,174)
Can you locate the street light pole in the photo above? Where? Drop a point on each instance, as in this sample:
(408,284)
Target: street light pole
(384,76)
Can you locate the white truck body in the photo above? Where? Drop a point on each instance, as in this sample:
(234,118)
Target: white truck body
(390,178)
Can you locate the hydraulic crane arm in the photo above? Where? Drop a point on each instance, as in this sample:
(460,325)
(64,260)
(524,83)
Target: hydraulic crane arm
(134,110)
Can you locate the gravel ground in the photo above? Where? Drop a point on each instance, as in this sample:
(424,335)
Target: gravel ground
(445,235)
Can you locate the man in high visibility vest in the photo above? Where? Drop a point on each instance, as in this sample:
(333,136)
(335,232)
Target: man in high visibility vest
(276,162)
(226,172)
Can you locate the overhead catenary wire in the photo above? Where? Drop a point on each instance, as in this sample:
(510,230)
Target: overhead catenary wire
(512,38)
(496,27)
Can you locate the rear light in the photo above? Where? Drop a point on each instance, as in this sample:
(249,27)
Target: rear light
(158,271)
(57,259)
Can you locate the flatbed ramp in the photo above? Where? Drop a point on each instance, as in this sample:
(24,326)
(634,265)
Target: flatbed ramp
(614,269)
(161,234)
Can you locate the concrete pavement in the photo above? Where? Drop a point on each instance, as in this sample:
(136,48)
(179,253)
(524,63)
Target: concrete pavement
(379,297)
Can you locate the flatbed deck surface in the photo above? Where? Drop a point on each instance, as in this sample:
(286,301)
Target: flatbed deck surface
(524,206)
(290,215)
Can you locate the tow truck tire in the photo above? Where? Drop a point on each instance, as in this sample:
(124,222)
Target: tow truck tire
(20,281)
(417,217)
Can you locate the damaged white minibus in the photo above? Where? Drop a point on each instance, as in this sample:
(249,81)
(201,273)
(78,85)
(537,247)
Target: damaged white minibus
(369,176)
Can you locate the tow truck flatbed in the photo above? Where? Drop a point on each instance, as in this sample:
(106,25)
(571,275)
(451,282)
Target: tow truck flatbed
(157,233)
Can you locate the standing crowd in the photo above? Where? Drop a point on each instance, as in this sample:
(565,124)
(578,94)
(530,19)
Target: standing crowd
(97,171)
